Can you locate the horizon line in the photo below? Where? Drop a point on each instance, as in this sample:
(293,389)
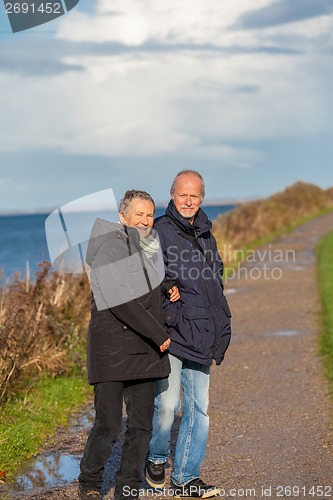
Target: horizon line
(159,204)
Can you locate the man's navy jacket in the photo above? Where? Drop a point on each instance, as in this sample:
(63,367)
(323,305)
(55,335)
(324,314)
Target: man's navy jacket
(199,324)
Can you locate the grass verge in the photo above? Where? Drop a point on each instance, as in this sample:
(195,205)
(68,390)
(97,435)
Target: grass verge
(26,421)
(325,277)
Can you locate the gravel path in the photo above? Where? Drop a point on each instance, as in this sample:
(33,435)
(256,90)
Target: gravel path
(271,416)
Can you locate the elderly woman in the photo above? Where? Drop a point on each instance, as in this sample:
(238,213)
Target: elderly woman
(126,342)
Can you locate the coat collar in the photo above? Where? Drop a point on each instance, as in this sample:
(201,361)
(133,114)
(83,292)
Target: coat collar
(200,225)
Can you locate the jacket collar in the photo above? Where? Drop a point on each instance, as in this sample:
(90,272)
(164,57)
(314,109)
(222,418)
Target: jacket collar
(200,225)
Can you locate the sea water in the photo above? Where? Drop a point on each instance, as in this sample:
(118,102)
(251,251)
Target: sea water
(23,241)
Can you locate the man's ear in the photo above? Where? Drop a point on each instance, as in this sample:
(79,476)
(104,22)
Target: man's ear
(122,218)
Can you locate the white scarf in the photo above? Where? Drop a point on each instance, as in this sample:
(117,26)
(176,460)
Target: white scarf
(149,245)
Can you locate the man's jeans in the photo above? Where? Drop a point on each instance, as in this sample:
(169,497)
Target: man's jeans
(193,378)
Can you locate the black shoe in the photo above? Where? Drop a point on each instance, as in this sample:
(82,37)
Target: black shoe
(155,475)
(89,494)
(195,488)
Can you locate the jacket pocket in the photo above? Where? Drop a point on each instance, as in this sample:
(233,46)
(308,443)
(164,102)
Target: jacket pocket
(195,312)
(171,313)
(198,328)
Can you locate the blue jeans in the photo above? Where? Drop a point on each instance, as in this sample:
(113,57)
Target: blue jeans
(193,378)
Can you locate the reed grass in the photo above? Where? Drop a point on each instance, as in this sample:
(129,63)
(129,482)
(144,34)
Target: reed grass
(42,328)
(258,222)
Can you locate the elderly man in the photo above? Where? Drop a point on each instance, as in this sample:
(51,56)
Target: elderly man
(199,328)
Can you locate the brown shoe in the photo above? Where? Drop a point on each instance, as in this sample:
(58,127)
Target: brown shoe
(89,494)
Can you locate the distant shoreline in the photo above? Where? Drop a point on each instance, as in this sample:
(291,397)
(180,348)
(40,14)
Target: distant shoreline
(47,211)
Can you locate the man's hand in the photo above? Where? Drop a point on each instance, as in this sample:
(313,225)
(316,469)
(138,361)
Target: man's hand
(165,345)
(174,294)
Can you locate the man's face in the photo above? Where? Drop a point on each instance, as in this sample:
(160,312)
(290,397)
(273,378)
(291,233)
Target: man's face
(139,214)
(187,195)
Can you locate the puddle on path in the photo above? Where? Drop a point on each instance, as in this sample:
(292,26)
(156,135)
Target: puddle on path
(282,333)
(48,471)
(53,467)
(295,268)
(230,291)
(57,468)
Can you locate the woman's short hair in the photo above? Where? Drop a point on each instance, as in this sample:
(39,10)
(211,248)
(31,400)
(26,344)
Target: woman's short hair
(130,195)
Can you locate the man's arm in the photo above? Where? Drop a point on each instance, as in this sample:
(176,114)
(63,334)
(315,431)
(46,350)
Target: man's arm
(218,266)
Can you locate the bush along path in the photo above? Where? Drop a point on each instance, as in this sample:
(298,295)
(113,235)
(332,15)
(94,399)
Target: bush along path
(270,410)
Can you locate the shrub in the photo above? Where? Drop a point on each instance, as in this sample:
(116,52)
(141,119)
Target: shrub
(257,219)
(42,327)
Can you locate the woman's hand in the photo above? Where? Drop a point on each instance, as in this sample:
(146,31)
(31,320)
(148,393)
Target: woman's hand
(174,294)
(165,345)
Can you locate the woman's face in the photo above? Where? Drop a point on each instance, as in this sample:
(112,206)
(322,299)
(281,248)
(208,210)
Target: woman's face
(139,214)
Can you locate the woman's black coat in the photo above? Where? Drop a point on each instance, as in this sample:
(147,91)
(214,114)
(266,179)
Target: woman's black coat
(123,340)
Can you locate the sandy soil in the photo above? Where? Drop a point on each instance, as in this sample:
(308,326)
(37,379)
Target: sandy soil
(270,412)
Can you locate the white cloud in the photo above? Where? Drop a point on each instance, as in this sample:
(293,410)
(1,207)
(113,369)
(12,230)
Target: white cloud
(191,102)
(170,22)
(137,104)
(134,22)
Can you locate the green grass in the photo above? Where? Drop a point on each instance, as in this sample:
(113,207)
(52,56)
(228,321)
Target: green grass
(28,420)
(325,276)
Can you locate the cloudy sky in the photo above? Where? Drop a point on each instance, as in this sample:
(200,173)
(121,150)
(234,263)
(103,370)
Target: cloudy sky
(125,93)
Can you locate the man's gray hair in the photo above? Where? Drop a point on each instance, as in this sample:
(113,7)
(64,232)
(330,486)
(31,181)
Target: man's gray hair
(130,195)
(185,172)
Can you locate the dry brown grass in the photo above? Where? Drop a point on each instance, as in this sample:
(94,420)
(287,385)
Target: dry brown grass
(329,194)
(258,219)
(42,327)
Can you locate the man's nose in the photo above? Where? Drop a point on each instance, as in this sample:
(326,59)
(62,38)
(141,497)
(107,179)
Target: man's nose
(188,200)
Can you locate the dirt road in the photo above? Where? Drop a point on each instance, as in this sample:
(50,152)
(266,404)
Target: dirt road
(271,416)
